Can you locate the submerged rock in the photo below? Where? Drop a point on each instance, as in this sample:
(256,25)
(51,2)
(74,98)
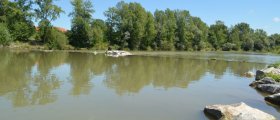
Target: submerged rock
(266,80)
(269,88)
(239,111)
(261,73)
(275,99)
(249,74)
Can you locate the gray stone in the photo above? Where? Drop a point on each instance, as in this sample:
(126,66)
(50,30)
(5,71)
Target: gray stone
(261,73)
(239,111)
(269,88)
(275,99)
(266,80)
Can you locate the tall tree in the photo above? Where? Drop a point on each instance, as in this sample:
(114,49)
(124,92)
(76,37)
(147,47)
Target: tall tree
(81,34)
(166,29)
(184,35)
(126,25)
(160,24)
(200,31)
(261,40)
(99,30)
(149,34)
(241,36)
(218,35)
(274,40)
(46,12)
(4,7)
(20,20)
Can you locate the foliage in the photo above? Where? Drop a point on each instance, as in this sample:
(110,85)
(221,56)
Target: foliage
(81,34)
(218,35)
(275,65)
(5,37)
(99,29)
(127,26)
(17,15)
(273,76)
(56,40)
(46,12)
(228,47)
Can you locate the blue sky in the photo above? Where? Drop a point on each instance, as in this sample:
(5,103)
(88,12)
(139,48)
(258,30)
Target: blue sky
(262,14)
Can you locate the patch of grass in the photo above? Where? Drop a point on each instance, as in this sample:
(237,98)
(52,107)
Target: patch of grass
(273,76)
(275,65)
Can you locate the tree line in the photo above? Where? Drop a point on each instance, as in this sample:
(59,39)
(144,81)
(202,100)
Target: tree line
(127,26)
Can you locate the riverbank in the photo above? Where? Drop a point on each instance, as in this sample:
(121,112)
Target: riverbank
(39,46)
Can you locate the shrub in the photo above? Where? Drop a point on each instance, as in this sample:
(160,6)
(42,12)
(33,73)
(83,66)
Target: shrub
(22,31)
(228,47)
(5,37)
(56,40)
(273,76)
(275,65)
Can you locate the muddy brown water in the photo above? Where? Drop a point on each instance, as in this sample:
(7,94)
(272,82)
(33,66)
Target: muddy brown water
(147,86)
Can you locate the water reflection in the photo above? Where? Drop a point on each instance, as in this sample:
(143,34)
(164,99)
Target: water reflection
(28,78)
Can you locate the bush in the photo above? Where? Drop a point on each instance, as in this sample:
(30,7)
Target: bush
(5,37)
(228,47)
(22,31)
(56,40)
(273,76)
(275,65)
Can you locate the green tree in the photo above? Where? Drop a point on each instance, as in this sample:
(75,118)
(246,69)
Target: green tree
(17,15)
(81,34)
(5,37)
(274,40)
(4,7)
(126,25)
(57,40)
(166,27)
(261,40)
(241,36)
(99,30)
(161,29)
(46,12)
(218,35)
(184,35)
(200,31)
(150,33)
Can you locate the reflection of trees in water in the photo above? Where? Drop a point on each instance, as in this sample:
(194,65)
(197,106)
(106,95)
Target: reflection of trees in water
(131,74)
(17,82)
(27,78)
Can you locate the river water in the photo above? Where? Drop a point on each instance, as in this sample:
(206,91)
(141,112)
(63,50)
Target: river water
(61,85)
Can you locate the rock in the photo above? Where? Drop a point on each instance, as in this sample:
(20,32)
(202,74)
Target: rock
(249,74)
(266,80)
(275,99)
(261,73)
(117,53)
(239,111)
(269,88)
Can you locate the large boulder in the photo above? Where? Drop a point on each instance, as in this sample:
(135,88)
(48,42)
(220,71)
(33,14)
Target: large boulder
(261,73)
(239,111)
(275,99)
(269,88)
(266,80)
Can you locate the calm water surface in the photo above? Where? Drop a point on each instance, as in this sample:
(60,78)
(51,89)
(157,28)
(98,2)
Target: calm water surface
(148,86)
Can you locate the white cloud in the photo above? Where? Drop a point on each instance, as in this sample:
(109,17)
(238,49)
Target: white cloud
(276,19)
